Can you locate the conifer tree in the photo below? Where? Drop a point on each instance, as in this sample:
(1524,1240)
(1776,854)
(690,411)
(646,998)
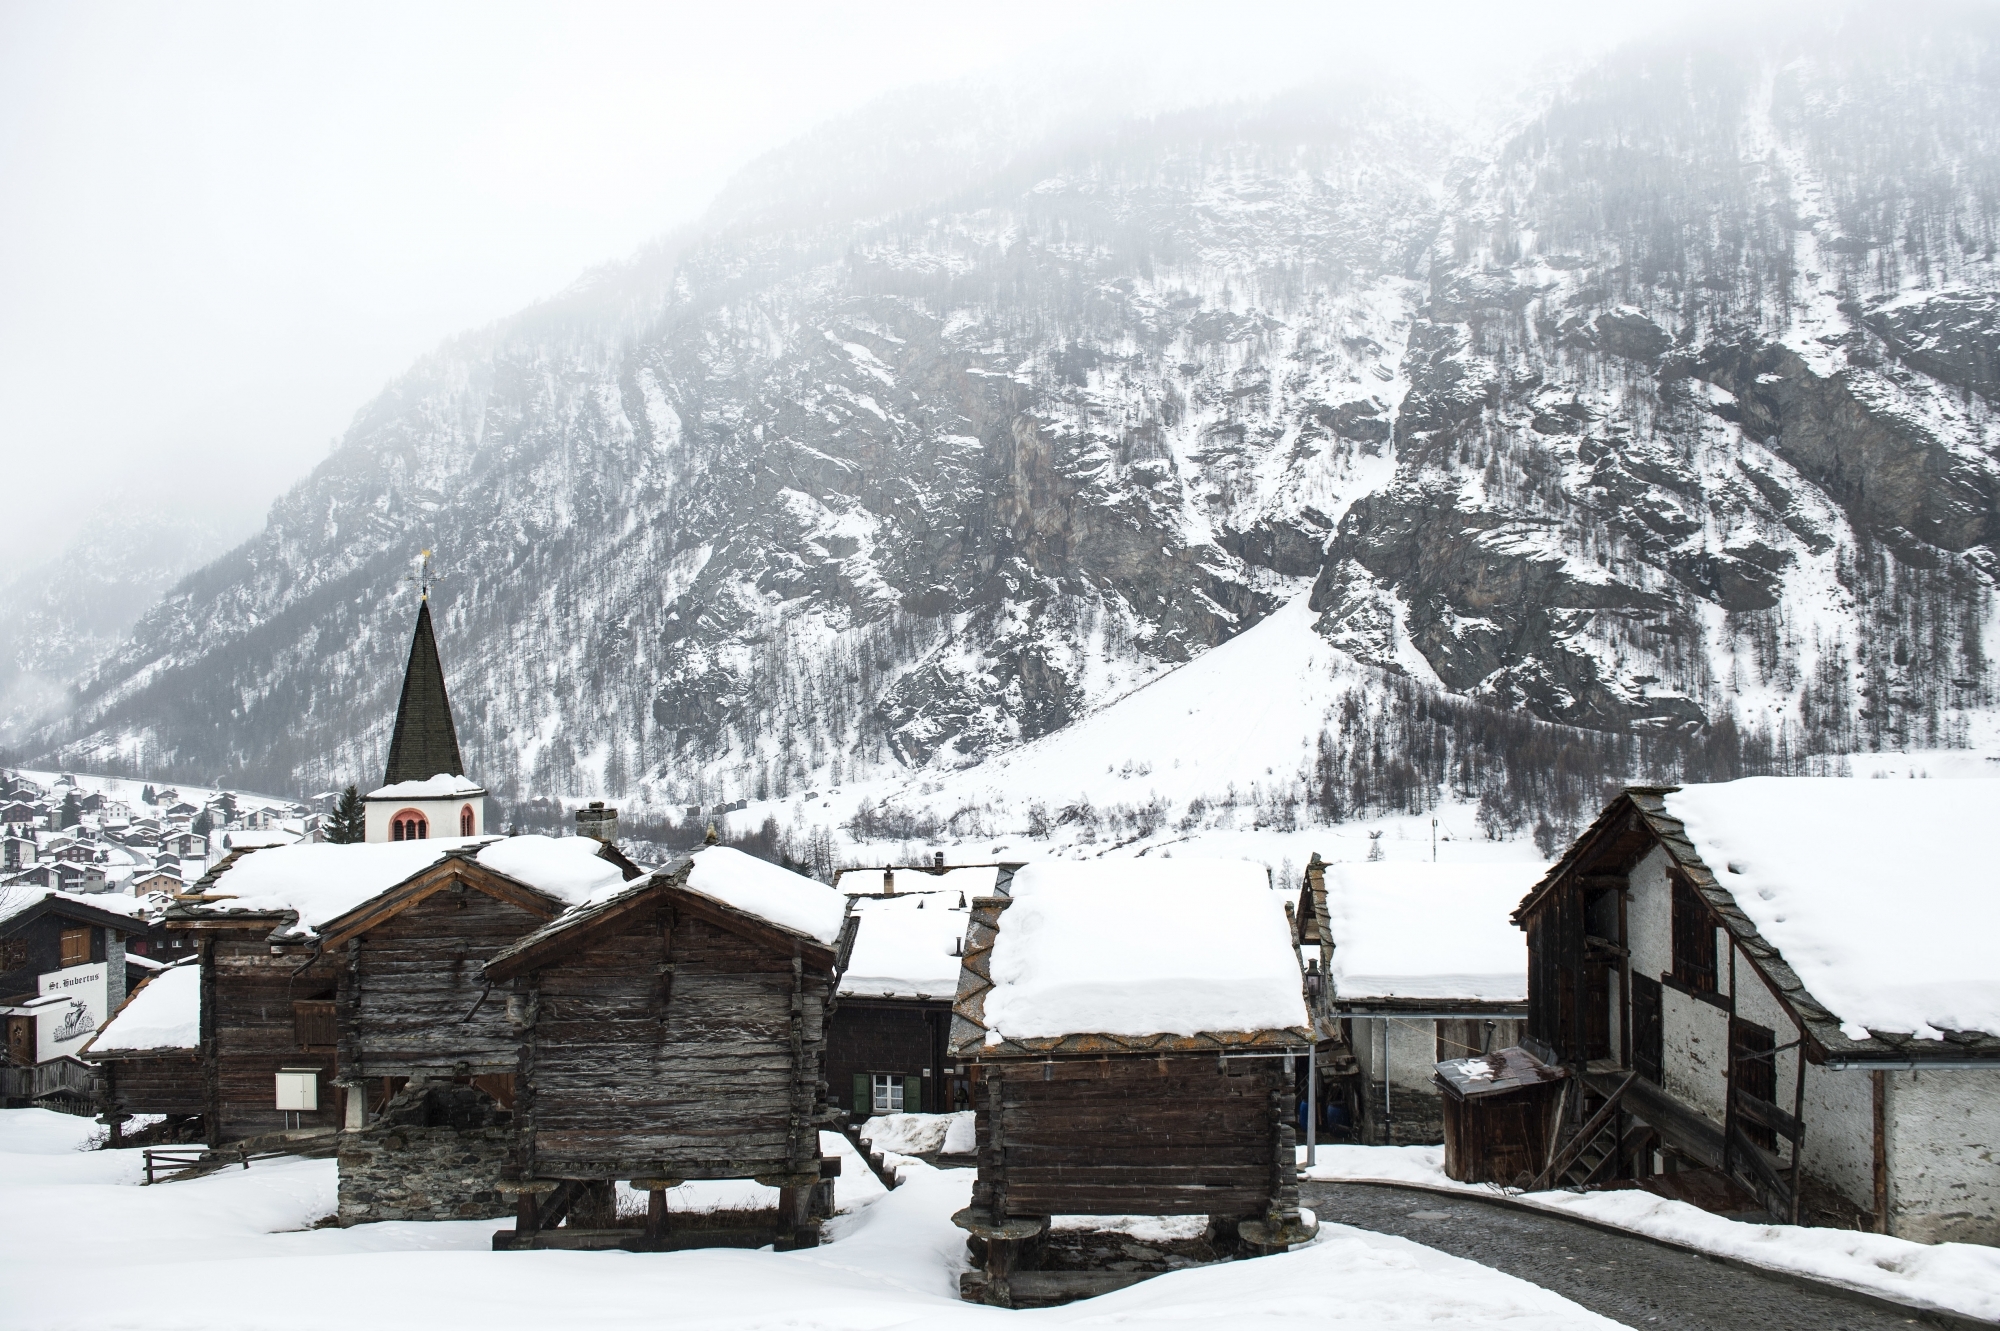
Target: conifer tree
(349,822)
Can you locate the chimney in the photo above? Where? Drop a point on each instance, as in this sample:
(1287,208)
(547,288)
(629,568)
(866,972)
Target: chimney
(598,823)
(937,861)
(889,882)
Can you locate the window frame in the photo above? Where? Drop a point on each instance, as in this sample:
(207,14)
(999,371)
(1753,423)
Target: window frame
(1696,958)
(890,1082)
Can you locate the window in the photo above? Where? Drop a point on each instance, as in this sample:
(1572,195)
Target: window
(409,825)
(1754,1074)
(13,954)
(888,1093)
(1694,939)
(76,947)
(465,821)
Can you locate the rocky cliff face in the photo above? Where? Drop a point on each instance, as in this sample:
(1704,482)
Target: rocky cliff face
(1674,406)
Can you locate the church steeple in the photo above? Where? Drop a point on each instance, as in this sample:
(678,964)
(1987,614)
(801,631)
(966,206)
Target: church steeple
(425,743)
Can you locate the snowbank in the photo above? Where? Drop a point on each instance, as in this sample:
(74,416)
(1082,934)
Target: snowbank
(1960,1277)
(769,892)
(905,946)
(1143,947)
(164,1013)
(920,1134)
(1812,861)
(1403,930)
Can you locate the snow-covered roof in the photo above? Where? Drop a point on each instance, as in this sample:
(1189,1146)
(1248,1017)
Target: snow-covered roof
(1428,931)
(320,881)
(760,888)
(907,945)
(259,840)
(443,786)
(164,1013)
(975,880)
(16,898)
(1141,948)
(1879,894)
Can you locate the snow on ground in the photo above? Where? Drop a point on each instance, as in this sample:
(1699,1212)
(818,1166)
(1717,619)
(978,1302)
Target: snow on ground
(1809,860)
(920,1134)
(236,1250)
(1141,948)
(1407,930)
(1960,1277)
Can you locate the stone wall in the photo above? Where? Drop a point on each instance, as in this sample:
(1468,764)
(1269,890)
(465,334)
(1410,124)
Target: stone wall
(436,1152)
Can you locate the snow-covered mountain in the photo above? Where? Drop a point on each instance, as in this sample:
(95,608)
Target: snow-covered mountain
(1652,433)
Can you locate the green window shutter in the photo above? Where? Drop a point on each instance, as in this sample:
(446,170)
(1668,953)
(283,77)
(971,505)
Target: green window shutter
(913,1095)
(864,1099)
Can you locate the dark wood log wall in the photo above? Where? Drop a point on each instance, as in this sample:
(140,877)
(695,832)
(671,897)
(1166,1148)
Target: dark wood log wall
(671,1049)
(909,1037)
(410,989)
(249,1031)
(169,1083)
(1133,1134)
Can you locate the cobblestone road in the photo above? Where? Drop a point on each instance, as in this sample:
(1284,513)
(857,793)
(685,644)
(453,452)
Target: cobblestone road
(1623,1277)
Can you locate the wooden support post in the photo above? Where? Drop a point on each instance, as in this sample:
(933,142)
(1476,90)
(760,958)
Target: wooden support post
(656,1215)
(527,1208)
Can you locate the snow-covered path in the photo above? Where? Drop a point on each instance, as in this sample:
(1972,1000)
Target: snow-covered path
(82,1246)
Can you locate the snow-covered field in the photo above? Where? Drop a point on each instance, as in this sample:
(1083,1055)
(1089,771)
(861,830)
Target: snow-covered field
(81,1245)
(1958,1277)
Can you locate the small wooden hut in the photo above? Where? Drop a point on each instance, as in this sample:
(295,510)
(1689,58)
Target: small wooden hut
(1132,1029)
(674,1031)
(1500,1115)
(148,1056)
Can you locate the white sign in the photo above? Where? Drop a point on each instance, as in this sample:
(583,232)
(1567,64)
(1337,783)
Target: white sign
(62,1028)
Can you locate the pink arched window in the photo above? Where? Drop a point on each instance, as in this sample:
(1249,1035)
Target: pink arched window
(465,821)
(409,825)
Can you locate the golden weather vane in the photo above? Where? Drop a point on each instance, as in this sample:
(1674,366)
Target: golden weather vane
(424,577)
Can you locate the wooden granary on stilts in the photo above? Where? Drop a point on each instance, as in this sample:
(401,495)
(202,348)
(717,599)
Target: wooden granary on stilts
(1132,1030)
(675,1031)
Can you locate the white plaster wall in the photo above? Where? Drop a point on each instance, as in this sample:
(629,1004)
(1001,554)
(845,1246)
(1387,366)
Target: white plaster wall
(1694,1045)
(1649,917)
(1413,1054)
(1944,1156)
(443,815)
(1840,1133)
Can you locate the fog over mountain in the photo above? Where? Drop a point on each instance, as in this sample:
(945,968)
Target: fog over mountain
(1646,427)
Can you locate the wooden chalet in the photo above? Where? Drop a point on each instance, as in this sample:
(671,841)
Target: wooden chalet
(1783,981)
(674,1031)
(148,1056)
(327,969)
(62,969)
(1132,1029)
(888,1045)
(1420,966)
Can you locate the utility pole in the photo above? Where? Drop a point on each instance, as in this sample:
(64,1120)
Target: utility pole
(1434,838)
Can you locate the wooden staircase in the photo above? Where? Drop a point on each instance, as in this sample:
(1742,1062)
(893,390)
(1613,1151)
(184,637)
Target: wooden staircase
(1594,1150)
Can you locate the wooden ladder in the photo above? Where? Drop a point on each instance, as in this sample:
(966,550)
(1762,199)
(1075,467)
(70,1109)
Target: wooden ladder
(1595,1147)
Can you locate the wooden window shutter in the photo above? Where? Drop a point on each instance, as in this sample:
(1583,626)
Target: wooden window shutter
(76,947)
(864,1096)
(913,1095)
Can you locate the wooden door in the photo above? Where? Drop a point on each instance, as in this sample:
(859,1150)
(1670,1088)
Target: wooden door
(1647,1028)
(1597,1010)
(21,1041)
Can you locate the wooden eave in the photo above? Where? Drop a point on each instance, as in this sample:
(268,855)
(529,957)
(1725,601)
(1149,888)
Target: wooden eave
(969,1031)
(455,868)
(1644,808)
(668,885)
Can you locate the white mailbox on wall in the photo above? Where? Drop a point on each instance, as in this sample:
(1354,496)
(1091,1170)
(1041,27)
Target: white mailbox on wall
(298,1089)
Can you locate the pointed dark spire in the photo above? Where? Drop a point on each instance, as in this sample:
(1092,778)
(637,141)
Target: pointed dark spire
(425,742)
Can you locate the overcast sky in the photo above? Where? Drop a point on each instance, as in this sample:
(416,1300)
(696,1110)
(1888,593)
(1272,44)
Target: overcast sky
(227,226)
